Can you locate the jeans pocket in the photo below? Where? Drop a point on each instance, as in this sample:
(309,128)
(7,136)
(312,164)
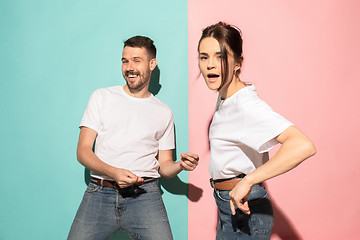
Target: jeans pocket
(92,188)
(261,216)
(222,195)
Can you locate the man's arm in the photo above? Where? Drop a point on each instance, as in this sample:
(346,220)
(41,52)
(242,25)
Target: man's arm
(87,157)
(169,168)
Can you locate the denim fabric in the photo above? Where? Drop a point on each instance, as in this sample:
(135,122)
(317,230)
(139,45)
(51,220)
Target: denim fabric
(105,210)
(257,225)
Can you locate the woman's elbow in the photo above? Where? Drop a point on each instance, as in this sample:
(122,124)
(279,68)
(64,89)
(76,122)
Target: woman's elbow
(309,148)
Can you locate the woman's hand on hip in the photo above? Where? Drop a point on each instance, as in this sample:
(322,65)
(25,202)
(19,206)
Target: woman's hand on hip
(239,197)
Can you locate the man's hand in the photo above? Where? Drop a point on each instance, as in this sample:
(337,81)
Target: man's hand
(189,161)
(239,197)
(124,178)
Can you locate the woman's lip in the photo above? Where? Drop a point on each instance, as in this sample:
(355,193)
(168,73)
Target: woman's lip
(212,79)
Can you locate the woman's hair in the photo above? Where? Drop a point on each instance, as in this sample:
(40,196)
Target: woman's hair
(226,35)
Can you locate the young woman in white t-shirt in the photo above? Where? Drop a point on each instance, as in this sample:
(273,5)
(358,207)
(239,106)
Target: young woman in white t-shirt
(243,129)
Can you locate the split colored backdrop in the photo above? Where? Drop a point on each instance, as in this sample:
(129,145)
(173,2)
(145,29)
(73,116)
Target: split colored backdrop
(303,58)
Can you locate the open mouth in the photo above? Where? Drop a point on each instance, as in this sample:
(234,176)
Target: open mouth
(211,75)
(131,74)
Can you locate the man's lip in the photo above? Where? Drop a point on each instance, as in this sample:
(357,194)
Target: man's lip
(132,74)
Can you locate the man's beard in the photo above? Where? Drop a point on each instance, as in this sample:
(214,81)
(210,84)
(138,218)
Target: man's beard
(139,84)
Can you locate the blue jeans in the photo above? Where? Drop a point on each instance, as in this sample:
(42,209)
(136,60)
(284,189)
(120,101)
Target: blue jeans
(105,210)
(257,225)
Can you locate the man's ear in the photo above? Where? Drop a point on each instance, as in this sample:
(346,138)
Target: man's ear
(153,63)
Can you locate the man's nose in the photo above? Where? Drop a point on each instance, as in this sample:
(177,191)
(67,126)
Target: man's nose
(129,66)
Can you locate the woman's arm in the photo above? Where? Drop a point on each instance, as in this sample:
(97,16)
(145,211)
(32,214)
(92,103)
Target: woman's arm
(295,148)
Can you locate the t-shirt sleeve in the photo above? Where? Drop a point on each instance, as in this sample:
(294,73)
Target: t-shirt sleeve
(262,125)
(167,140)
(91,117)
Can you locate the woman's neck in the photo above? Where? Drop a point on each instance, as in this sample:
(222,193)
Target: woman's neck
(235,85)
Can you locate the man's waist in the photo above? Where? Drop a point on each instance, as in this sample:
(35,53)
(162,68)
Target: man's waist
(113,184)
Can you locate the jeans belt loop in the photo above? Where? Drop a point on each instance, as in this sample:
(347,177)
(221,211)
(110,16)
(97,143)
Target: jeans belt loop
(212,183)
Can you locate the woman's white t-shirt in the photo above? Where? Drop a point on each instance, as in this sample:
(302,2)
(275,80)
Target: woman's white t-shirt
(242,131)
(130,130)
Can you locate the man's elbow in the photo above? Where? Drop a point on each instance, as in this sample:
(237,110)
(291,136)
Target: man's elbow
(80,151)
(165,174)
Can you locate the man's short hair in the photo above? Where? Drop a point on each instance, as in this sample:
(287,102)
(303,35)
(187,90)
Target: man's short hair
(141,41)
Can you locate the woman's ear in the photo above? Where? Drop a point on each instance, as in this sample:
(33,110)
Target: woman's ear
(237,68)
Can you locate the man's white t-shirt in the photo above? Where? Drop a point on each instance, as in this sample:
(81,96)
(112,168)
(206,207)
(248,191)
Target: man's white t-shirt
(242,131)
(130,130)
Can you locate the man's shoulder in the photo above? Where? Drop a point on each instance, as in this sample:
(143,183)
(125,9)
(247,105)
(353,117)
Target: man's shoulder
(107,91)
(160,103)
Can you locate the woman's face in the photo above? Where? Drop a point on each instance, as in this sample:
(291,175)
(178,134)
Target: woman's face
(210,62)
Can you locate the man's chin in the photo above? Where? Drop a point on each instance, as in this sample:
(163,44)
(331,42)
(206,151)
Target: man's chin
(134,85)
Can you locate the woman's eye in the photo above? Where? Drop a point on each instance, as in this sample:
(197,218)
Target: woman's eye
(202,58)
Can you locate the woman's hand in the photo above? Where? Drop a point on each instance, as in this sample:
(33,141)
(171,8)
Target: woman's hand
(239,197)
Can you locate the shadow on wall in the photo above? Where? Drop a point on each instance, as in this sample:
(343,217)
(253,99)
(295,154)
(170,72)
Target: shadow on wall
(155,86)
(283,227)
(172,185)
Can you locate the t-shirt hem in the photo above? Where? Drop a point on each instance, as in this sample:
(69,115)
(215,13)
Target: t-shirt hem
(268,145)
(89,126)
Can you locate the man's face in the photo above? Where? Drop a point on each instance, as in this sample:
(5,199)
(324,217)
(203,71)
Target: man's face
(137,67)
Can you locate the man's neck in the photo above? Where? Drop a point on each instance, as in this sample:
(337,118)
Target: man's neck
(143,93)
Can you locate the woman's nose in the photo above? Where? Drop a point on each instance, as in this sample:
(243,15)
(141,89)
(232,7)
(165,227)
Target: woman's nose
(211,64)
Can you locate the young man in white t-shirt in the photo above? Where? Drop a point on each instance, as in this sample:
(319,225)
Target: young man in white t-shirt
(134,135)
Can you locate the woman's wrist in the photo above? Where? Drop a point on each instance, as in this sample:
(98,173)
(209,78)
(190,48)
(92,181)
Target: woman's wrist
(248,180)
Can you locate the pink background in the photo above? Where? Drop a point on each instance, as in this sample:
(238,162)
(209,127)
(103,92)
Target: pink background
(303,57)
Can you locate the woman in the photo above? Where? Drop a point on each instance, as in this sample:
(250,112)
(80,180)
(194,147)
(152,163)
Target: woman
(243,130)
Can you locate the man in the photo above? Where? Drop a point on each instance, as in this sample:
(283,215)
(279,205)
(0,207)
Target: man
(134,135)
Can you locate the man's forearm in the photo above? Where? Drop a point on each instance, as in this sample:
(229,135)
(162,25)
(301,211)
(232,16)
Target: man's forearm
(169,169)
(88,158)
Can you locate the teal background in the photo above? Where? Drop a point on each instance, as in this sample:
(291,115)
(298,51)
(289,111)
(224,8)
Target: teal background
(54,54)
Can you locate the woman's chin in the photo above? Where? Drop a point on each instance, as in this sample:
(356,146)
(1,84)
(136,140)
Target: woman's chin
(213,85)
